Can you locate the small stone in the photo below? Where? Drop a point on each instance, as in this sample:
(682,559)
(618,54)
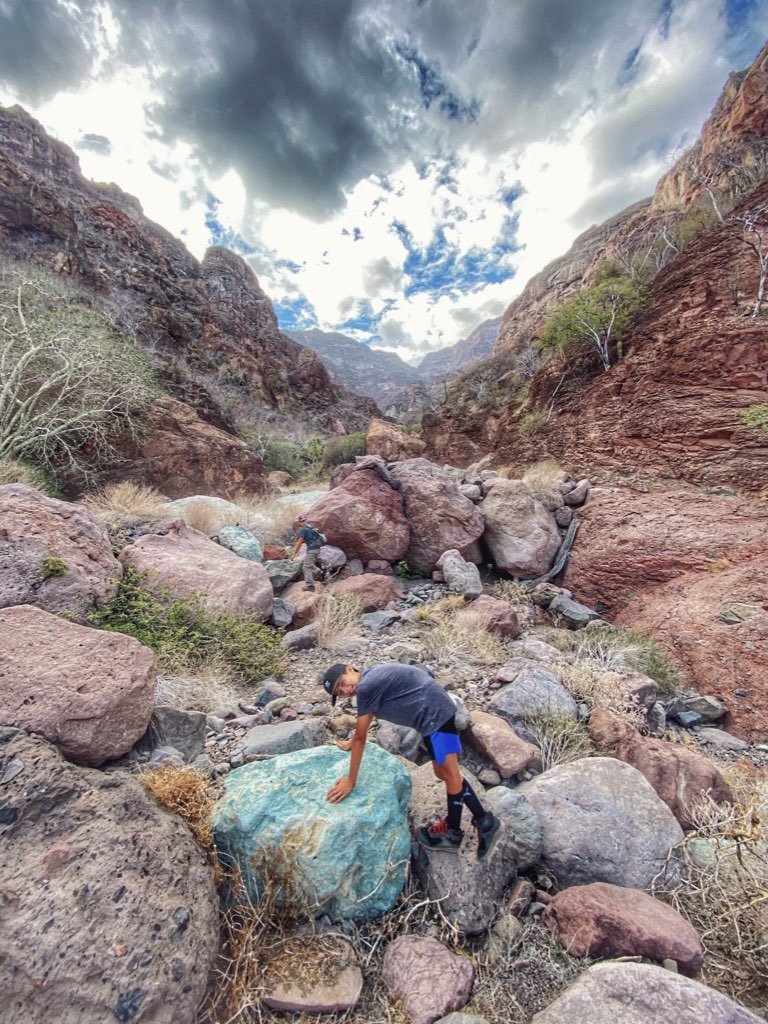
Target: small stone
(535,909)
(669,965)
(236,759)
(248,709)
(489,777)
(15,767)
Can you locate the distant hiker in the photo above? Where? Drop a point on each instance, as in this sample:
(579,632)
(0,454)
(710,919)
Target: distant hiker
(407,696)
(307,534)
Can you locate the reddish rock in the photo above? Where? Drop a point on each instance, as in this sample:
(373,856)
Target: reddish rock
(425,979)
(496,615)
(679,776)
(668,564)
(371,589)
(364,517)
(35,529)
(96,874)
(273,553)
(602,920)
(440,516)
(279,478)
(391,442)
(88,691)
(494,739)
(304,601)
(187,562)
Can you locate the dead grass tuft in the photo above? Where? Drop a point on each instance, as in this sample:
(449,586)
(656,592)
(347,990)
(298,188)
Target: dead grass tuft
(456,632)
(205,690)
(559,738)
(338,622)
(188,793)
(621,650)
(544,477)
(125,505)
(513,593)
(597,687)
(12,472)
(277,516)
(724,893)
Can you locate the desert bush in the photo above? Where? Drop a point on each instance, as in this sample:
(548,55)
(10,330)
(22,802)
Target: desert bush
(622,650)
(205,690)
(70,381)
(338,622)
(124,505)
(14,472)
(757,417)
(53,566)
(724,892)
(532,422)
(188,793)
(339,450)
(187,635)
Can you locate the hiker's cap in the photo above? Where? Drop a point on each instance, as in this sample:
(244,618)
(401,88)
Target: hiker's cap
(331,677)
(300,519)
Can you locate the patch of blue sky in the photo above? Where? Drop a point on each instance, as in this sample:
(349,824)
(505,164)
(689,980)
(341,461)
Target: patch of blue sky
(295,314)
(510,196)
(441,269)
(219,233)
(434,90)
(665,17)
(630,68)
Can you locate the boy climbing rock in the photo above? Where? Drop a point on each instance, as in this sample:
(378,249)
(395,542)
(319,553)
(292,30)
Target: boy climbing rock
(407,696)
(307,534)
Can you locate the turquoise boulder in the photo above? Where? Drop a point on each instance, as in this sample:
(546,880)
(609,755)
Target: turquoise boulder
(241,541)
(347,860)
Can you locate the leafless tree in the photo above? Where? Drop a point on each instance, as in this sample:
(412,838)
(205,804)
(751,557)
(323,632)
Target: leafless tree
(755,237)
(68,382)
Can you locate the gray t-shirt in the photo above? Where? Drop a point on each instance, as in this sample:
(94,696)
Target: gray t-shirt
(405,695)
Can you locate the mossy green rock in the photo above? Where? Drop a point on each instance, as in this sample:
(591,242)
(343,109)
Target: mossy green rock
(242,542)
(346,860)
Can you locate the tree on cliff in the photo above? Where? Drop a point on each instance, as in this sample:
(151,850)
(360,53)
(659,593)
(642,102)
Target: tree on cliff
(69,382)
(596,317)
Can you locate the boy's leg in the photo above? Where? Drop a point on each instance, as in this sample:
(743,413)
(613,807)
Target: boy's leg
(459,792)
(310,560)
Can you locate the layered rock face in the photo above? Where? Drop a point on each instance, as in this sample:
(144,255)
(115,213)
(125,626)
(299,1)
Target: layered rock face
(210,329)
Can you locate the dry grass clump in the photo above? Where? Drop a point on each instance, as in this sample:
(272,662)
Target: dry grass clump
(188,793)
(203,517)
(513,593)
(124,505)
(591,684)
(13,472)
(622,650)
(724,892)
(544,477)
(208,688)
(457,632)
(559,738)
(277,516)
(338,622)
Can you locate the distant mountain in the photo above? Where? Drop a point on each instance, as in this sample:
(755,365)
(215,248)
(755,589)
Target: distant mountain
(364,370)
(463,355)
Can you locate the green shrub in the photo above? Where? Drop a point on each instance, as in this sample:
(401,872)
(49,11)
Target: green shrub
(533,421)
(14,472)
(53,566)
(757,417)
(622,650)
(185,634)
(408,572)
(339,450)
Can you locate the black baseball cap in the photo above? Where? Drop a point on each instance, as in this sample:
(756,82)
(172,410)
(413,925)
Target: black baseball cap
(331,677)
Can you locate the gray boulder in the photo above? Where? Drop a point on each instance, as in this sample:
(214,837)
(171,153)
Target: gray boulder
(534,690)
(241,542)
(399,739)
(630,993)
(282,572)
(183,730)
(302,639)
(522,823)
(270,740)
(602,821)
(282,613)
(461,576)
(520,533)
(574,614)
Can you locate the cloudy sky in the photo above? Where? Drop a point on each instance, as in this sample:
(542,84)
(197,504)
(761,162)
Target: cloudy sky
(393,169)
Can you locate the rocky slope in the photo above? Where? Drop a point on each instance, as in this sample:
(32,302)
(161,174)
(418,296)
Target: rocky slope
(364,370)
(464,354)
(678,536)
(210,329)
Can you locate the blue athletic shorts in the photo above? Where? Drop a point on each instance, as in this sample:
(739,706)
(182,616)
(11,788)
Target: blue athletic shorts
(443,741)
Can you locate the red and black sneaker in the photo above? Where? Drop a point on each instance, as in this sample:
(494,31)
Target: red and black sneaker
(440,837)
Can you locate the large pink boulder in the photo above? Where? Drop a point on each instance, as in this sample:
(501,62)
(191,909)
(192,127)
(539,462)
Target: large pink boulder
(520,533)
(602,920)
(496,616)
(364,517)
(304,602)
(679,776)
(88,691)
(440,516)
(187,562)
(372,590)
(53,554)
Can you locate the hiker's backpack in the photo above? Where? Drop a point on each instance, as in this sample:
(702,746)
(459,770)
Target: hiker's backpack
(318,535)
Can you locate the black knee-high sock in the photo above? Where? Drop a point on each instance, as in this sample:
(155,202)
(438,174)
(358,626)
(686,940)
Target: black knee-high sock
(455,807)
(469,796)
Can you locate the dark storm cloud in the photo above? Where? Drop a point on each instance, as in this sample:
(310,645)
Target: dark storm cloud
(44,47)
(96,143)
